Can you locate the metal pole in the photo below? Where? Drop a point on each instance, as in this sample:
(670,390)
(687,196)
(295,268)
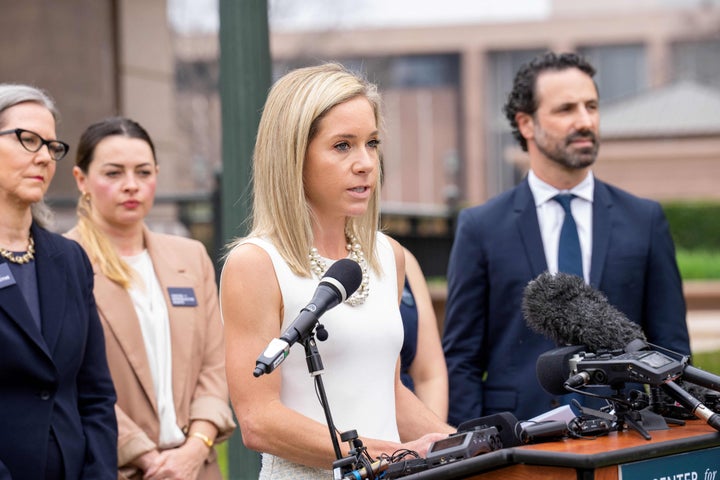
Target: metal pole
(245,77)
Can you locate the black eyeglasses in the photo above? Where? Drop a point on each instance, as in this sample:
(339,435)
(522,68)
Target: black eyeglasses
(32,142)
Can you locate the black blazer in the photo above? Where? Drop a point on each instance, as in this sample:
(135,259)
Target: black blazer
(490,352)
(59,379)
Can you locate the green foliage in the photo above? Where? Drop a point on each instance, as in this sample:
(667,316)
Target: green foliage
(695,228)
(708,361)
(694,225)
(699,264)
(222,458)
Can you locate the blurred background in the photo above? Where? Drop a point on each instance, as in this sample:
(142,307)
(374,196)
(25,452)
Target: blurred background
(444,69)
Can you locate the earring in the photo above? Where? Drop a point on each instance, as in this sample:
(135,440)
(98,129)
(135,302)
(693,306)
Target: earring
(86,197)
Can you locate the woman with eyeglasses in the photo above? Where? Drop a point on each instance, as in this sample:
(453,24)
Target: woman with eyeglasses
(56,394)
(157,300)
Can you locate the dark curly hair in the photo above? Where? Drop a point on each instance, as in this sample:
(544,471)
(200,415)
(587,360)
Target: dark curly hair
(522,97)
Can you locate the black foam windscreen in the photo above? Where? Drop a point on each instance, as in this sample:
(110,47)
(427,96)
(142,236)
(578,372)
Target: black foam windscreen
(565,309)
(505,422)
(553,368)
(347,272)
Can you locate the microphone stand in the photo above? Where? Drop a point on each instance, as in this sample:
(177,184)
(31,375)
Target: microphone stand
(356,465)
(632,412)
(315,368)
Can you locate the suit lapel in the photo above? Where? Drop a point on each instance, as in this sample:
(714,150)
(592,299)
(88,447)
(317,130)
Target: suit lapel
(13,303)
(171,271)
(529,228)
(602,223)
(52,283)
(527,223)
(116,308)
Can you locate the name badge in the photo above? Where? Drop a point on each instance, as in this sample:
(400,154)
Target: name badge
(182,297)
(6,276)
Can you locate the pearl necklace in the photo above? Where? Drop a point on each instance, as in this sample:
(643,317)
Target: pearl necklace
(318,266)
(29,255)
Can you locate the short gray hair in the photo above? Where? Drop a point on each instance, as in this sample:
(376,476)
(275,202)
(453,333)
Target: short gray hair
(12,94)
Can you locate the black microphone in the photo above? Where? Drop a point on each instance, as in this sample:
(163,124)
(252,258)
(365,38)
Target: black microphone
(554,369)
(701,377)
(513,433)
(339,282)
(505,422)
(567,310)
(695,406)
(545,431)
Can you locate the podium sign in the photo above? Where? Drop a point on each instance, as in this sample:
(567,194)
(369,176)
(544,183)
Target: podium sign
(697,465)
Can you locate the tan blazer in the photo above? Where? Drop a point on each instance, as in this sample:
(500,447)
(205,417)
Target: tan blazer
(198,355)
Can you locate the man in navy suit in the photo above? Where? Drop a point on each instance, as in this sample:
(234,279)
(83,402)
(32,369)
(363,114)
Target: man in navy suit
(626,248)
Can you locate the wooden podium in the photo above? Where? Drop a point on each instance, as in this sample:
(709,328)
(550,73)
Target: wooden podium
(580,459)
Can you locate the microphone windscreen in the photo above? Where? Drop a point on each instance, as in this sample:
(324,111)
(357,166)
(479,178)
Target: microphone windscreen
(553,368)
(505,423)
(347,272)
(565,309)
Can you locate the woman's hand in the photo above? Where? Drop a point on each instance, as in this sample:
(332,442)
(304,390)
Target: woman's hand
(144,461)
(182,463)
(422,444)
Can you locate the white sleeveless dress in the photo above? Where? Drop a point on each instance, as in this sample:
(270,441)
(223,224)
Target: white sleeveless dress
(359,359)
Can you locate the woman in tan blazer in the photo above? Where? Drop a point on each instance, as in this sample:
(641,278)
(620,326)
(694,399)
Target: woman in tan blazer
(157,299)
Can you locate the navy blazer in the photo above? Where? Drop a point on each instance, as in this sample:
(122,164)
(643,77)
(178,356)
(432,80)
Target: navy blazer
(490,351)
(57,379)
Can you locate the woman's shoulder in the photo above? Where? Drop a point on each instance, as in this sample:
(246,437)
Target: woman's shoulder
(58,245)
(391,249)
(164,240)
(385,241)
(176,250)
(72,234)
(63,242)
(248,264)
(252,249)
(250,253)
(259,242)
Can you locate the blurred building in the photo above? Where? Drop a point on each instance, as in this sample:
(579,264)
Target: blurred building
(447,142)
(99,58)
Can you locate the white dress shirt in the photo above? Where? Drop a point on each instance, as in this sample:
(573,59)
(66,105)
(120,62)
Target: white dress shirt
(147,296)
(551,215)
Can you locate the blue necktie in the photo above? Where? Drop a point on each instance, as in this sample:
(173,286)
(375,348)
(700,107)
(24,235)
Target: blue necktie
(569,254)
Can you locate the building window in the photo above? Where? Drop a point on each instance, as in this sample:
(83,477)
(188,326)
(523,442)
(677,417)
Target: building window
(621,69)
(502,171)
(697,61)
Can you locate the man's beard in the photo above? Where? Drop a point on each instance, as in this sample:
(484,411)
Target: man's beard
(565,155)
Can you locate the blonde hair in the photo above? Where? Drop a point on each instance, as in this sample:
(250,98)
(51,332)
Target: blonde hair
(96,243)
(98,247)
(294,108)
